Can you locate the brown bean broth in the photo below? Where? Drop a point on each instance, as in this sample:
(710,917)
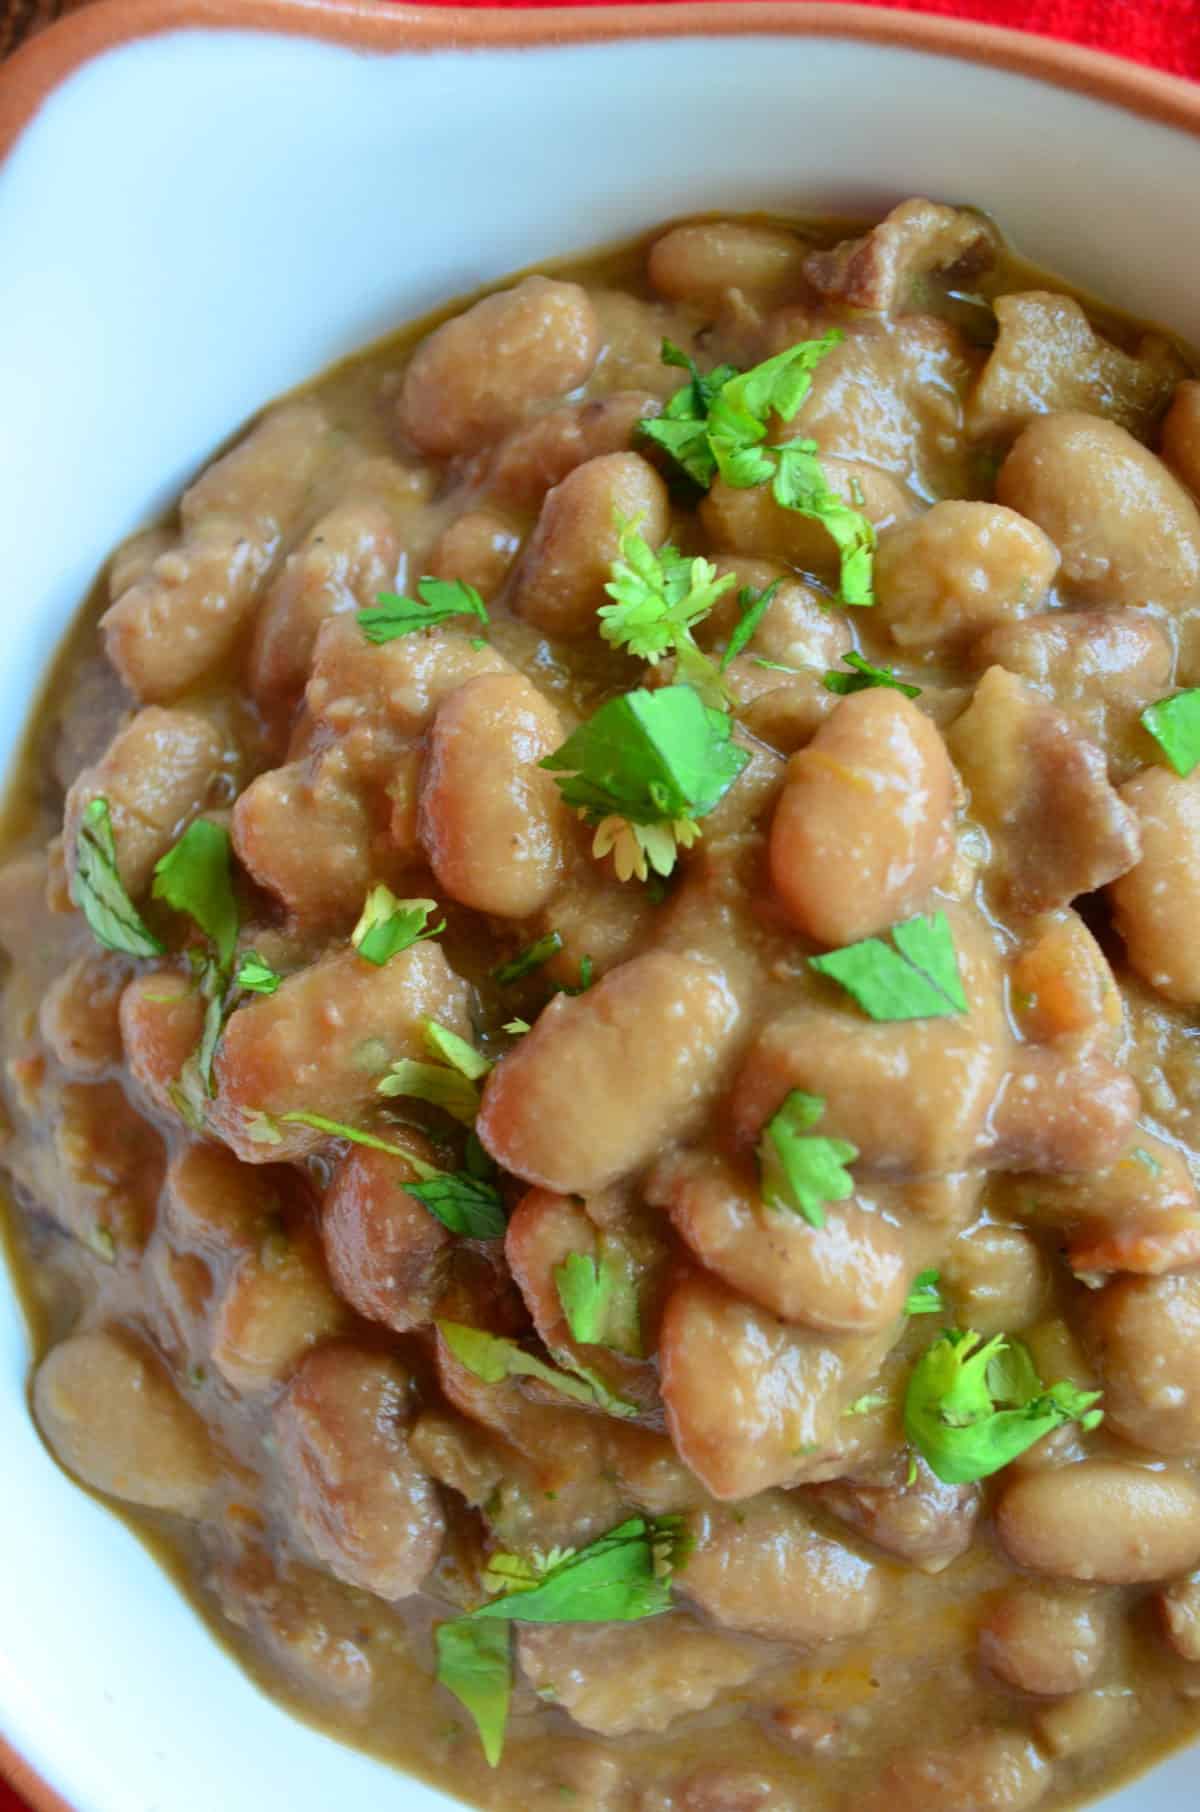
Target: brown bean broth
(922,1652)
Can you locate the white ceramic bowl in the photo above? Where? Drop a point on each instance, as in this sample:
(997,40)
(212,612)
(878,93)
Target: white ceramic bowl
(197,219)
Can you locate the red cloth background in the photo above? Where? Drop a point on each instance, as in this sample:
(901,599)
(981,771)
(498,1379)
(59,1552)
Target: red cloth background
(1165,33)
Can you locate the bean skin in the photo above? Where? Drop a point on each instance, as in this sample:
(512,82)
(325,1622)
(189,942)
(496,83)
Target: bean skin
(958,569)
(1101,1521)
(701,263)
(560,582)
(1155,902)
(863,828)
(984,1771)
(603,1080)
(1144,1335)
(1045,1640)
(387,1255)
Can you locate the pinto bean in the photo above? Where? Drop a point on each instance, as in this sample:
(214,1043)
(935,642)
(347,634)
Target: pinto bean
(885,268)
(1155,902)
(350,555)
(325,1038)
(1044,1639)
(750,1402)
(560,582)
(925,1523)
(798,629)
(533,459)
(309,1624)
(984,1771)
(1181,435)
(358,1497)
(80,1014)
(214,1205)
(701,263)
(304,832)
(492,822)
(396,687)
(863,828)
(767,1571)
(185,615)
(112,1416)
(157,775)
(595,915)
(752,522)
(1058,1114)
(478,548)
(959,568)
(1144,1335)
(623,1677)
(278,1303)
(603,1080)
(101,1177)
(849,1275)
(1102,1521)
(997,1278)
(1179,1607)
(1064,992)
(1041,790)
(1127,531)
(913,1096)
(1090,1720)
(387,1255)
(161,1019)
(482,372)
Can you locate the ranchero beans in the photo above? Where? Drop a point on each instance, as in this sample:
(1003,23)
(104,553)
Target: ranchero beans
(666,1281)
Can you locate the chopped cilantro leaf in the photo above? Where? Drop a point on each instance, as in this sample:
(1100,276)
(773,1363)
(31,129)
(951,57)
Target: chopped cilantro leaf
(866,1406)
(800,484)
(1174,724)
(649,757)
(439,599)
(801,1172)
(918,979)
(99,892)
(435,1083)
(388,925)
(753,606)
(473,1663)
(493,1359)
(196,877)
(529,959)
(455,1051)
(255,976)
(599,1300)
(925,1298)
(657,598)
(863,676)
(973,1406)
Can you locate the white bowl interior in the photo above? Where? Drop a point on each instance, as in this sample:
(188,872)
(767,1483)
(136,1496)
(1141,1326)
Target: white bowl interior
(196,222)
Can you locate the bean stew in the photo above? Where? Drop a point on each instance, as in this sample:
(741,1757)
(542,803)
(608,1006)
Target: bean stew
(599,1051)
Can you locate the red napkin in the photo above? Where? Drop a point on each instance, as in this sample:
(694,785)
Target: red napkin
(1165,33)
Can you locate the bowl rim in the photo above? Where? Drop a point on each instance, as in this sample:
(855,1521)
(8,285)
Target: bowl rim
(30,77)
(39,66)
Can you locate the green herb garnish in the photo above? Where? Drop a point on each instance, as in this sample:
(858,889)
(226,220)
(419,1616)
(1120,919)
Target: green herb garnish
(437,600)
(254,976)
(864,676)
(388,925)
(753,606)
(925,1298)
(657,598)
(918,979)
(529,959)
(493,1359)
(196,877)
(973,1406)
(99,892)
(801,1172)
(600,1302)
(1174,724)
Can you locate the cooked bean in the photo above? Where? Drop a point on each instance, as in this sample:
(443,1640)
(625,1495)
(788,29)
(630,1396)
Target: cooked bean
(186,615)
(1044,1639)
(1059,1114)
(278,1303)
(321,1043)
(560,582)
(863,829)
(622,1677)
(1149,1178)
(387,1254)
(603,1080)
(1181,435)
(1144,1333)
(1179,1607)
(162,1019)
(101,1176)
(847,1276)
(80,1017)
(913,1096)
(531,460)
(1127,531)
(491,820)
(221,1208)
(984,1771)
(884,269)
(396,687)
(350,555)
(595,915)
(997,1278)
(1102,1521)
(767,1571)
(1063,990)
(1048,357)
(752,522)
(750,1402)
(725,1790)
(479,548)
(482,372)
(957,569)
(701,263)
(310,1625)
(157,775)
(1155,902)
(304,832)
(798,629)
(1041,790)
(359,1498)
(113,1417)
(920,1520)
(1086,1721)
